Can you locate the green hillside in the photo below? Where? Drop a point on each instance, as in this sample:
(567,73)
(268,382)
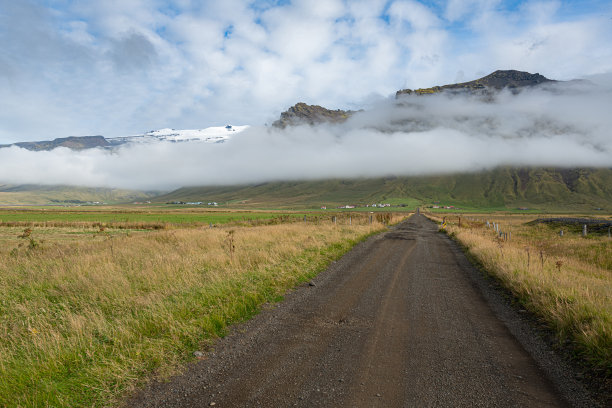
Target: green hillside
(542,189)
(45,195)
(538,188)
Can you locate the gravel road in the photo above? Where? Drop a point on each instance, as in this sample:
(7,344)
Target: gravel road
(403,320)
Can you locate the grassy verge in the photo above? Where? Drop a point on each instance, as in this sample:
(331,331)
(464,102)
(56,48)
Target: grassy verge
(83,322)
(564,280)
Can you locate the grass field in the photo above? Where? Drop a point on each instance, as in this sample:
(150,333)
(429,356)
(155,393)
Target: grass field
(564,280)
(87,315)
(117,216)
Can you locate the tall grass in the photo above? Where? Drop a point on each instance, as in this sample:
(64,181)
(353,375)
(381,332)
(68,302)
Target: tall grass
(565,280)
(82,323)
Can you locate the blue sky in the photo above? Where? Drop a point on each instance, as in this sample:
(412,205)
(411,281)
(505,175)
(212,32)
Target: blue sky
(120,67)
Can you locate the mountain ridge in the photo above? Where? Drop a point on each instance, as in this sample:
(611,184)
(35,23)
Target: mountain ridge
(497,80)
(213,134)
(71,142)
(302,113)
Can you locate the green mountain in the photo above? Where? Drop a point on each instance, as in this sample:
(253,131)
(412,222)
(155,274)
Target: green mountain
(540,188)
(45,195)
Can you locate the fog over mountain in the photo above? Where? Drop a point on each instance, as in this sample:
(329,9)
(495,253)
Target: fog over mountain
(557,124)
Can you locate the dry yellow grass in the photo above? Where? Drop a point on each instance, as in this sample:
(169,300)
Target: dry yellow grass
(82,321)
(566,281)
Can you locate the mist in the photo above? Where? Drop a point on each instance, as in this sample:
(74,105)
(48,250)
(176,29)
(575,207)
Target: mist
(560,125)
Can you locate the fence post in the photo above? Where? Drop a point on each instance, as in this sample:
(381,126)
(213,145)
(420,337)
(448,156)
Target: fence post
(584,230)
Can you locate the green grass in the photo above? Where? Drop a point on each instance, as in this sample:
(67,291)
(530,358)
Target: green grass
(111,216)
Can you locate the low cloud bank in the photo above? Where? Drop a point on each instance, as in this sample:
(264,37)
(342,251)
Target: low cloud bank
(563,125)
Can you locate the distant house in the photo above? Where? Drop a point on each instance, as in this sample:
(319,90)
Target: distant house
(324,208)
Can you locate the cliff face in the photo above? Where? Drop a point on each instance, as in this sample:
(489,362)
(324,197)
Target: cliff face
(497,80)
(302,113)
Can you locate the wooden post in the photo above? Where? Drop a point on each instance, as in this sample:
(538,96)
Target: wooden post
(584,230)
(528,259)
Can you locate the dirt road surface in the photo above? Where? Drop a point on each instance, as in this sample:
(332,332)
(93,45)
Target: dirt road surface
(401,321)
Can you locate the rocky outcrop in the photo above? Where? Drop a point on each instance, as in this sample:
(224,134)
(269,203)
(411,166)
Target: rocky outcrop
(302,113)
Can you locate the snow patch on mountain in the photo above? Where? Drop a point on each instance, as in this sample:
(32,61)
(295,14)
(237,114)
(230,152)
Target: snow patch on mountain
(214,134)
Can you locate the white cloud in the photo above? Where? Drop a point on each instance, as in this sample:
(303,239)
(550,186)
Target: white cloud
(124,67)
(565,127)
